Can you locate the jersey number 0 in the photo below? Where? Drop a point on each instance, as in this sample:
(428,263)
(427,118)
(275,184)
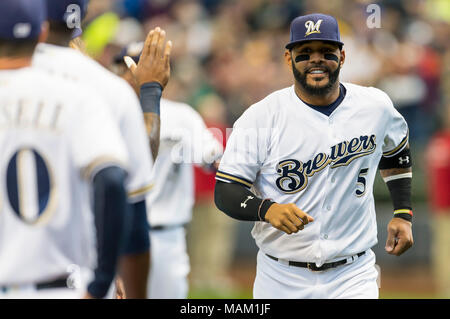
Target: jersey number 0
(29,185)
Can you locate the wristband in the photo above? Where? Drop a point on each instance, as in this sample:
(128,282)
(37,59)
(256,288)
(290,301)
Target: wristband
(400,190)
(405,214)
(150,97)
(263,208)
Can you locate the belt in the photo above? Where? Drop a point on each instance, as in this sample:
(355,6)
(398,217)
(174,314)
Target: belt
(57,283)
(166,227)
(313,267)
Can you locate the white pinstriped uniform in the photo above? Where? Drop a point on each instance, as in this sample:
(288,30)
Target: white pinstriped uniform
(54,137)
(118,95)
(326,165)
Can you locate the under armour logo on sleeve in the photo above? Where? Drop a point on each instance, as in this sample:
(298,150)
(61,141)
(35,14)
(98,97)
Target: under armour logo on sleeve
(402,160)
(244,203)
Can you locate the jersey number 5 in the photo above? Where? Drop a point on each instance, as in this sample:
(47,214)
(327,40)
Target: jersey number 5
(361,182)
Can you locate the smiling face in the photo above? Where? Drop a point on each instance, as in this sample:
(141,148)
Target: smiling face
(316,65)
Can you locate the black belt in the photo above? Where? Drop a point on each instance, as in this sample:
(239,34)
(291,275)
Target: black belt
(57,283)
(313,267)
(166,227)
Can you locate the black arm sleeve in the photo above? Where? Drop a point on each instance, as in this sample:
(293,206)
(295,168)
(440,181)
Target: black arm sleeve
(111,222)
(238,202)
(400,191)
(138,240)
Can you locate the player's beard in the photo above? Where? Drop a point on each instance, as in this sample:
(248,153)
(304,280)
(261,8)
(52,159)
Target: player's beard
(317,90)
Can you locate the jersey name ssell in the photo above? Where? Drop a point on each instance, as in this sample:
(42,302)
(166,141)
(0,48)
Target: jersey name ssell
(294,174)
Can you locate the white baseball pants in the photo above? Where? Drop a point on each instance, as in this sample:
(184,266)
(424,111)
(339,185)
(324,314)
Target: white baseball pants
(169,264)
(357,280)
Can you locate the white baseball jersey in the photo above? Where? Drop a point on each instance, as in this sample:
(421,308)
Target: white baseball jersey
(53,139)
(184,141)
(326,165)
(121,98)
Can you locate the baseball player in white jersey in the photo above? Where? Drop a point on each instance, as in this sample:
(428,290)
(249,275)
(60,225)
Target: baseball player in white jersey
(56,57)
(184,141)
(61,157)
(301,163)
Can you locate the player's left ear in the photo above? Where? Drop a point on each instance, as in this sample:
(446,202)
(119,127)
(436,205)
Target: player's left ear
(342,60)
(44,32)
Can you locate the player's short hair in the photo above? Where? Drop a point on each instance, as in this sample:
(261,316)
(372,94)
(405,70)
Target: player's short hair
(60,27)
(17,48)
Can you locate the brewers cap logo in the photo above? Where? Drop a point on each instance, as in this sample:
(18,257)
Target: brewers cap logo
(312,27)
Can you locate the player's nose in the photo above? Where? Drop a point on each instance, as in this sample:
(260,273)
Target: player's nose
(316,57)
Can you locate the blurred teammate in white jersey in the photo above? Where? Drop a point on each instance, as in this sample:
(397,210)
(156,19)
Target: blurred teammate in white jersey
(55,56)
(63,210)
(184,141)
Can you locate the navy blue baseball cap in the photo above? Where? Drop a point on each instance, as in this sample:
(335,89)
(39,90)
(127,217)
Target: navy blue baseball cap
(316,26)
(21,19)
(133,50)
(70,12)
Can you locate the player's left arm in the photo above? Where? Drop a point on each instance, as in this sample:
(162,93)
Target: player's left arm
(396,171)
(153,126)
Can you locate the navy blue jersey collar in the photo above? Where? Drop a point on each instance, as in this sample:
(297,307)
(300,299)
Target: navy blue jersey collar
(328,109)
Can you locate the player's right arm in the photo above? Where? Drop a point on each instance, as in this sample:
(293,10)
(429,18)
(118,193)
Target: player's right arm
(151,75)
(241,162)
(238,202)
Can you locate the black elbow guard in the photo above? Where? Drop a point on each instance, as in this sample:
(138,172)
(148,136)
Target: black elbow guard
(400,160)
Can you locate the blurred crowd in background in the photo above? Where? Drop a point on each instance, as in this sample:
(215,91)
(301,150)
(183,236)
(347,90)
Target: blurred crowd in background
(228,54)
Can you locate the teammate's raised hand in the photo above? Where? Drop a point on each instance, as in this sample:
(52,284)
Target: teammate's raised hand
(154,63)
(287,217)
(400,237)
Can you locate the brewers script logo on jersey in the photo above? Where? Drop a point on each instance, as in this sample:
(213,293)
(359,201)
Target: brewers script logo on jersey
(294,174)
(312,27)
